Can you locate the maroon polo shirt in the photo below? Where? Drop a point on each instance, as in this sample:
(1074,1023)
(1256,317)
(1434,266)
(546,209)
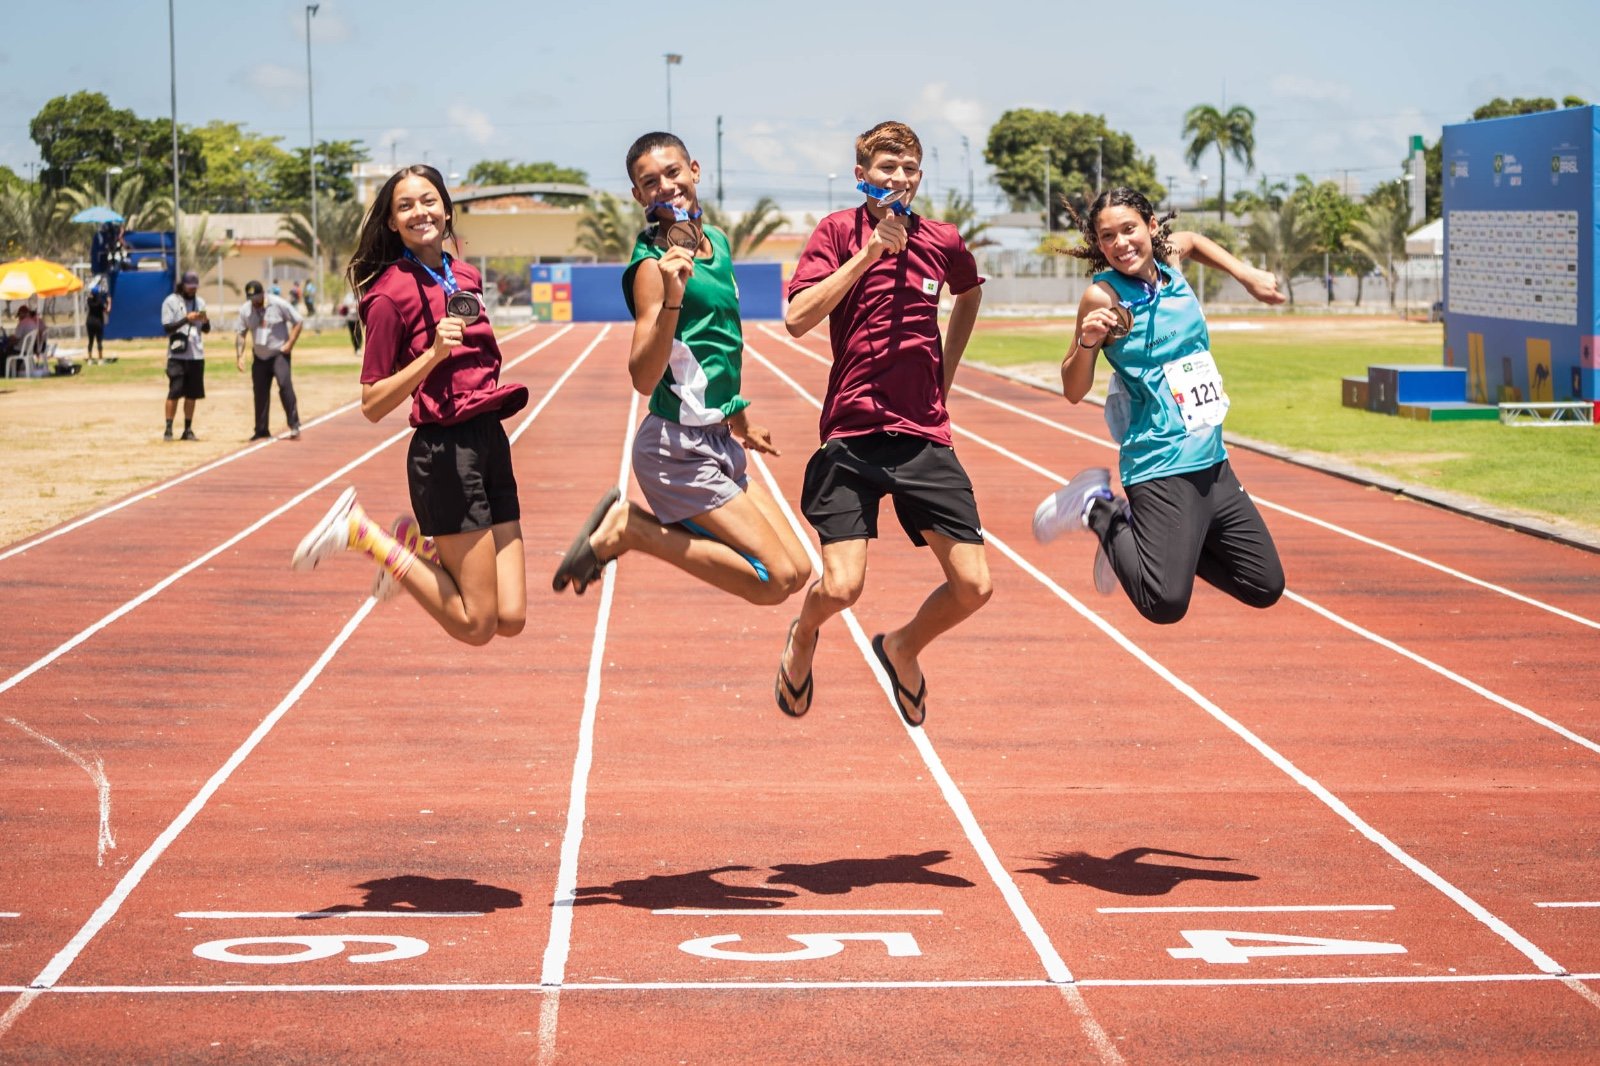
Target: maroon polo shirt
(888,357)
(401,312)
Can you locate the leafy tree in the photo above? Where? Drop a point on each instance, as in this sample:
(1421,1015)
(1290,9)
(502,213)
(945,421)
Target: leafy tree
(1284,238)
(1204,278)
(198,250)
(1268,195)
(239,170)
(753,228)
(81,135)
(506,172)
(1231,133)
(139,210)
(1017,151)
(291,174)
(608,228)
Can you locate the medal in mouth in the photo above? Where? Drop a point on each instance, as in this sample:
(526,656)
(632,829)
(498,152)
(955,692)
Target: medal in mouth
(892,199)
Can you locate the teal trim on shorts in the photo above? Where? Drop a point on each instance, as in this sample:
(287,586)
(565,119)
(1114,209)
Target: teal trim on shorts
(702,531)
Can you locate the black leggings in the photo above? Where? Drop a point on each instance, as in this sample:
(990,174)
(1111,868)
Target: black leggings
(1186,526)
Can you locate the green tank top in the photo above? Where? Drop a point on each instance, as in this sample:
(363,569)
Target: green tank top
(1167,324)
(701,384)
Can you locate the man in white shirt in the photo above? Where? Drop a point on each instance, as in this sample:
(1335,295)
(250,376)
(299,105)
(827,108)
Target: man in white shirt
(273,326)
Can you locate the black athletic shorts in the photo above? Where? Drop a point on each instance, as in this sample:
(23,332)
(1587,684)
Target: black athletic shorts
(186,379)
(848,477)
(460,476)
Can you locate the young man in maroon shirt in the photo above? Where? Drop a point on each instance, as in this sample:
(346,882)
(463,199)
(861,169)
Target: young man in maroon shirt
(875,272)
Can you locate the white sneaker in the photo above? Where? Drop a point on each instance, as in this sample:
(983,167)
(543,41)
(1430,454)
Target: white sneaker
(403,529)
(1068,507)
(329,536)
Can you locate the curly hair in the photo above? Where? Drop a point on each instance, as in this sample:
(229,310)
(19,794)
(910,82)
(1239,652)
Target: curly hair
(1121,196)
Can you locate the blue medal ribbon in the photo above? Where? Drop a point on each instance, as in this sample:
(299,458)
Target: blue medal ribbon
(448,282)
(898,206)
(678,213)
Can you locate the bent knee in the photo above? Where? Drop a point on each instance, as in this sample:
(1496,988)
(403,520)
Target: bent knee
(971,595)
(1165,612)
(510,627)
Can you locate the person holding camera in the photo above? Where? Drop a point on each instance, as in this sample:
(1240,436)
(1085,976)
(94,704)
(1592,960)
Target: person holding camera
(430,343)
(273,327)
(184,319)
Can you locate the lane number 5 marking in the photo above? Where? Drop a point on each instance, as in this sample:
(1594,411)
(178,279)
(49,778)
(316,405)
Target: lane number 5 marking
(816,946)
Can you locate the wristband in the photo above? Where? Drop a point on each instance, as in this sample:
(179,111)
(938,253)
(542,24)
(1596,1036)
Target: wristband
(672,307)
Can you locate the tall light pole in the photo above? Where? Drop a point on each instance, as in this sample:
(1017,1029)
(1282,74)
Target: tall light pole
(1202,269)
(311,119)
(1049,216)
(673,59)
(966,160)
(172,64)
(1099,157)
(110,171)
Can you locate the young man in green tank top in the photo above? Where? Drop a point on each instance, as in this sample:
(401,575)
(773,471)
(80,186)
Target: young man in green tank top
(705,516)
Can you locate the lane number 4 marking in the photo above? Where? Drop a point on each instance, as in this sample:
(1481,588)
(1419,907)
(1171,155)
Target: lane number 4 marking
(816,946)
(1228,946)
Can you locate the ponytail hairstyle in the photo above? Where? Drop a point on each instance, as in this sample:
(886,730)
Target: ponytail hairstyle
(1121,196)
(376,244)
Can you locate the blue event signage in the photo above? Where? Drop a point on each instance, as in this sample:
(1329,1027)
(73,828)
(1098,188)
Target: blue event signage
(1520,199)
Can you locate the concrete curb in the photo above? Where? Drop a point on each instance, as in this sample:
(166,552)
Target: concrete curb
(1568,533)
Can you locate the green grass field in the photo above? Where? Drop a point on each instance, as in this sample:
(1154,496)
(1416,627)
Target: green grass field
(1284,381)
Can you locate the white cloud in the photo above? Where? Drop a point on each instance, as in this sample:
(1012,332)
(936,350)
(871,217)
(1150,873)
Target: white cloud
(279,84)
(1295,87)
(473,122)
(791,148)
(966,116)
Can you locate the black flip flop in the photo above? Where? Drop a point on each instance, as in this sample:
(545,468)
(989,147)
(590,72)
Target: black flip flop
(580,567)
(901,693)
(793,700)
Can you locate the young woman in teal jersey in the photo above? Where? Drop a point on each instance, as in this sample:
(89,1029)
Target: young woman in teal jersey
(706,517)
(1185,515)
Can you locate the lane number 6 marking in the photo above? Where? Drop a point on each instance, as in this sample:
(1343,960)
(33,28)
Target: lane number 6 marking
(311,948)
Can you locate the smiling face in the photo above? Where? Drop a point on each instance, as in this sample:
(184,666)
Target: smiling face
(417,213)
(666,175)
(900,171)
(1124,238)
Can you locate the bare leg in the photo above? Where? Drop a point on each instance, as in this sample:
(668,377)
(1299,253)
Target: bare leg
(462,590)
(743,526)
(966,588)
(844,571)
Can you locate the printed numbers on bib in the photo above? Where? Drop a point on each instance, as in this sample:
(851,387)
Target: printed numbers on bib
(1196,385)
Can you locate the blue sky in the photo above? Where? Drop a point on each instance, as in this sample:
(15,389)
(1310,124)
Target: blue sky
(1335,87)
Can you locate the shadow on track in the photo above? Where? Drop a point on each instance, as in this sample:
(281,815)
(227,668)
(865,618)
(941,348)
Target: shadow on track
(841,875)
(1125,875)
(435,894)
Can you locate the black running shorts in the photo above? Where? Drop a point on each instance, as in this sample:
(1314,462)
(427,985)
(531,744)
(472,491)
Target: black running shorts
(460,476)
(848,477)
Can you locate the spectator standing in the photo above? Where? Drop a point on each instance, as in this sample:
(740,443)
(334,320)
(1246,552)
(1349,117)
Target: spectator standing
(97,308)
(184,319)
(273,327)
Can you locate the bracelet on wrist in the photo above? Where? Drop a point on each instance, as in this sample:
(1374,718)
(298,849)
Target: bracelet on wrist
(672,307)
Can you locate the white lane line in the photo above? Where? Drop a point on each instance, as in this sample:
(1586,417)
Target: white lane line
(800,986)
(96,770)
(559,945)
(112,903)
(10,914)
(1367,634)
(1291,512)
(560,381)
(1055,967)
(1501,928)
(1573,903)
(785,912)
(156,490)
(166,582)
(1249,910)
(226,915)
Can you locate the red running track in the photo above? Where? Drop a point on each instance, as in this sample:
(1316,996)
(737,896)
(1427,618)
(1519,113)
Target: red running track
(249,815)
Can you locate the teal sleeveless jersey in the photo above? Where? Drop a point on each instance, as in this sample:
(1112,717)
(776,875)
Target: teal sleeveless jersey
(1167,324)
(701,384)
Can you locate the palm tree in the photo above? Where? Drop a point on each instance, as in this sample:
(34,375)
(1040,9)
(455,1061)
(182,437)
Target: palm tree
(608,228)
(338,223)
(1233,133)
(128,199)
(198,250)
(960,213)
(753,228)
(1381,237)
(1285,238)
(31,224)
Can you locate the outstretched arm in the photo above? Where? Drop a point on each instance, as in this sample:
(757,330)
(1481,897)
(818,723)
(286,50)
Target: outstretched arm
(1203,250)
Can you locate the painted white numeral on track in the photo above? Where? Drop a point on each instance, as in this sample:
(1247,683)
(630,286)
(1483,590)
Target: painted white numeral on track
(817,946)
(1223,946)
(311,948)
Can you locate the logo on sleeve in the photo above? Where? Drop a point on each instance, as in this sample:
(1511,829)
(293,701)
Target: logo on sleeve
(930,286)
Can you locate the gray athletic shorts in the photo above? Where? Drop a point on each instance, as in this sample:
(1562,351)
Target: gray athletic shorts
(685,471)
